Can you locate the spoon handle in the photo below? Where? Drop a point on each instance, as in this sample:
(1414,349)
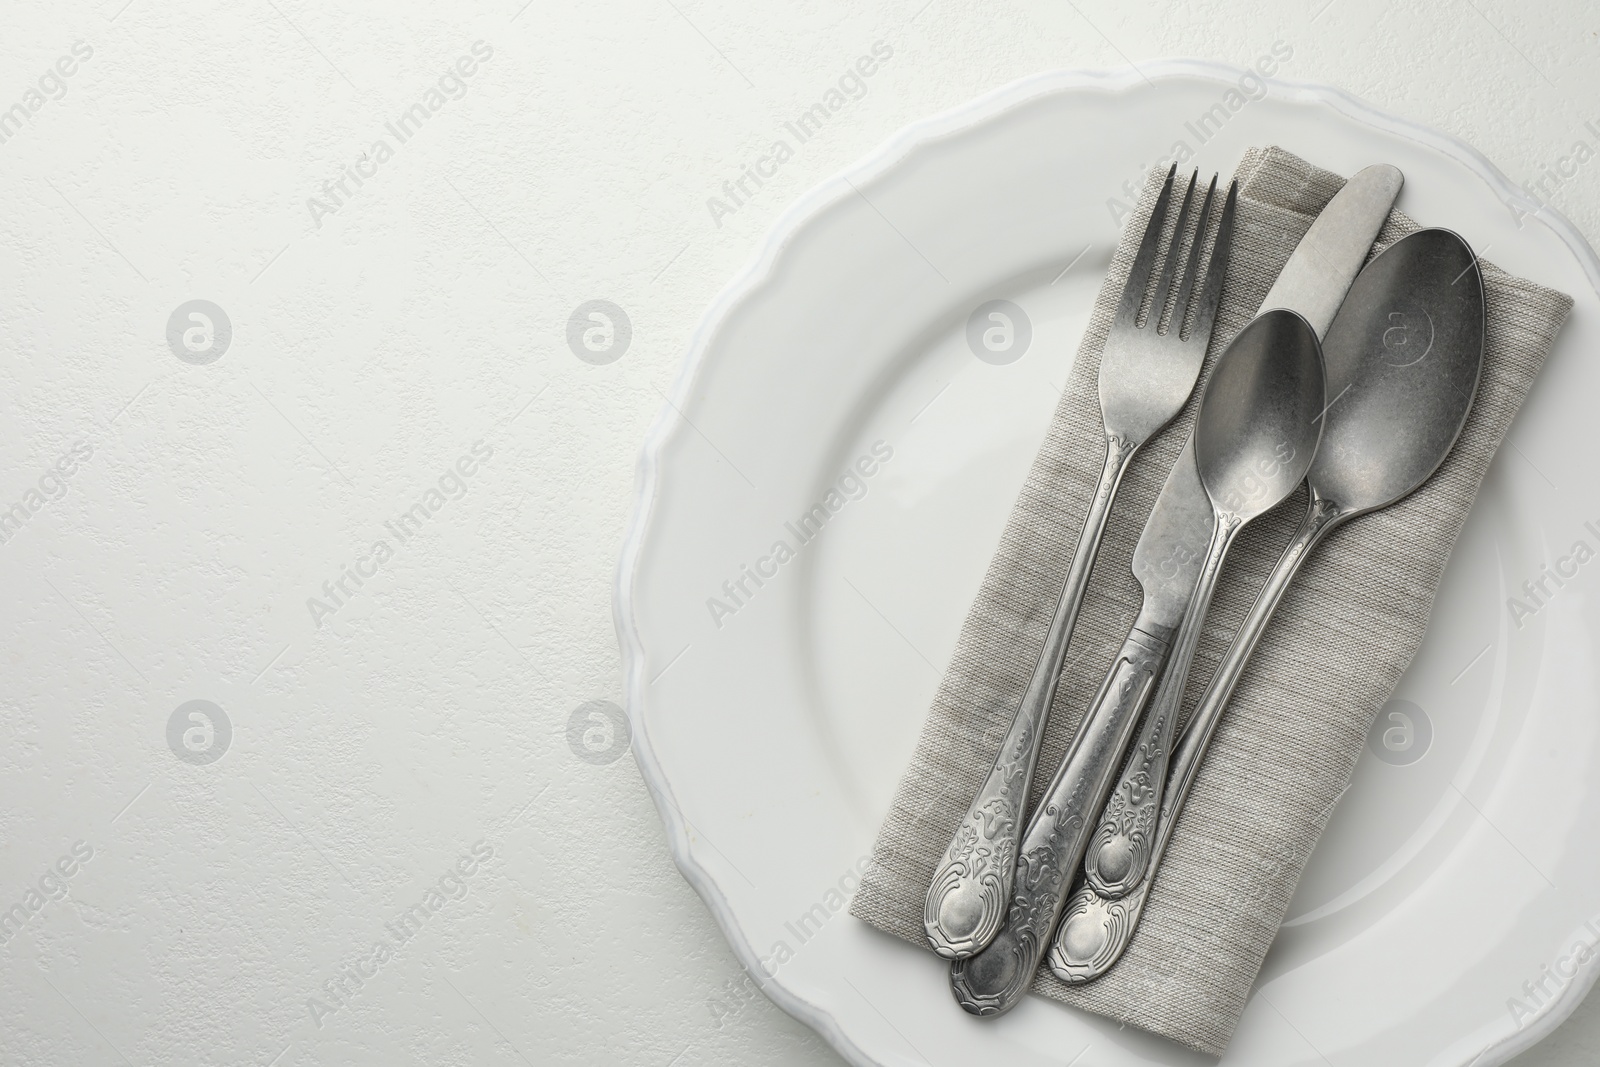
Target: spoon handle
(966,901)
(1097,925)
(995,979)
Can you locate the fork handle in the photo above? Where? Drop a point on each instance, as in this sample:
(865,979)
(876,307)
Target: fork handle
(994,980)
(966,900)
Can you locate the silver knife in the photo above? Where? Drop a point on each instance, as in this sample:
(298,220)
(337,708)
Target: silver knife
(1167,564)
(1330,255)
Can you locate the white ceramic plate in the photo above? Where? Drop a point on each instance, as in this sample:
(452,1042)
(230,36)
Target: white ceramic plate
(1440,916)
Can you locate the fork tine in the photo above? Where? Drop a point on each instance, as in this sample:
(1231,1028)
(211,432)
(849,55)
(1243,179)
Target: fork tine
(1170,267)
(1139,276)
(1180,306)
(1206,310)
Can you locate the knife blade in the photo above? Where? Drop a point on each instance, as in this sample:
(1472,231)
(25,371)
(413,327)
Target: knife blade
(1313,283)
(1330,255)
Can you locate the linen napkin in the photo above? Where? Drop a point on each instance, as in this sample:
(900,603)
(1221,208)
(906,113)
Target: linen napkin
(1290,738)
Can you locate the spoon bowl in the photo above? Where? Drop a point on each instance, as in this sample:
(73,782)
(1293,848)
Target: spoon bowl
(1260,421)
(1403,360)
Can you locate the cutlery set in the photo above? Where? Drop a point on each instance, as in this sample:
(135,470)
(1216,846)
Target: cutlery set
(1355,382)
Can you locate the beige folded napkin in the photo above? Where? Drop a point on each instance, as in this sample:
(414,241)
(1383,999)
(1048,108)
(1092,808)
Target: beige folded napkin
(1288,743)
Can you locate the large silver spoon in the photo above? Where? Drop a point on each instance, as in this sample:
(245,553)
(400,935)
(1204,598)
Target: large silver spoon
(1403,358)
(1254,437)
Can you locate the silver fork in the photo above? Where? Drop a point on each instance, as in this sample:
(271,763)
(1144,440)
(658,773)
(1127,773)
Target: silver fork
(1146,375)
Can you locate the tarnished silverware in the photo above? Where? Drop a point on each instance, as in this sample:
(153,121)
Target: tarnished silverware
(1403,359)
(1146,375)
(1254,437)
(1313,282)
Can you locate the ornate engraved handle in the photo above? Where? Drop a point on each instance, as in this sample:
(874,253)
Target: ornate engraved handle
(994,980)
(1120,850)
(967,898)
(1093,932)
(1096,926)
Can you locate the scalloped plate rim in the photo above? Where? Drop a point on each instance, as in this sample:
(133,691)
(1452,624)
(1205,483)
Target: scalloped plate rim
(791,222)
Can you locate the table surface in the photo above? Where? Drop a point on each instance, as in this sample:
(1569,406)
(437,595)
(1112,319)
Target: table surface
(273,794)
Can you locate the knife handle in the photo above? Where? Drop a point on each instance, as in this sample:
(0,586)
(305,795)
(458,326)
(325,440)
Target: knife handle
(1119,852)
(994,980)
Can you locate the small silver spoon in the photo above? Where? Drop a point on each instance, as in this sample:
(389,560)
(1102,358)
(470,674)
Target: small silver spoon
(1254,437)
(1403,359)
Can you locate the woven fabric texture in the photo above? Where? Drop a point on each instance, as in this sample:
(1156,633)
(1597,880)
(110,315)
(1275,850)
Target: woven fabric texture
(1290,738)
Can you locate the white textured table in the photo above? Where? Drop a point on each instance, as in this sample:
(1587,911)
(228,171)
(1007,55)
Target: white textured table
(305,748)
